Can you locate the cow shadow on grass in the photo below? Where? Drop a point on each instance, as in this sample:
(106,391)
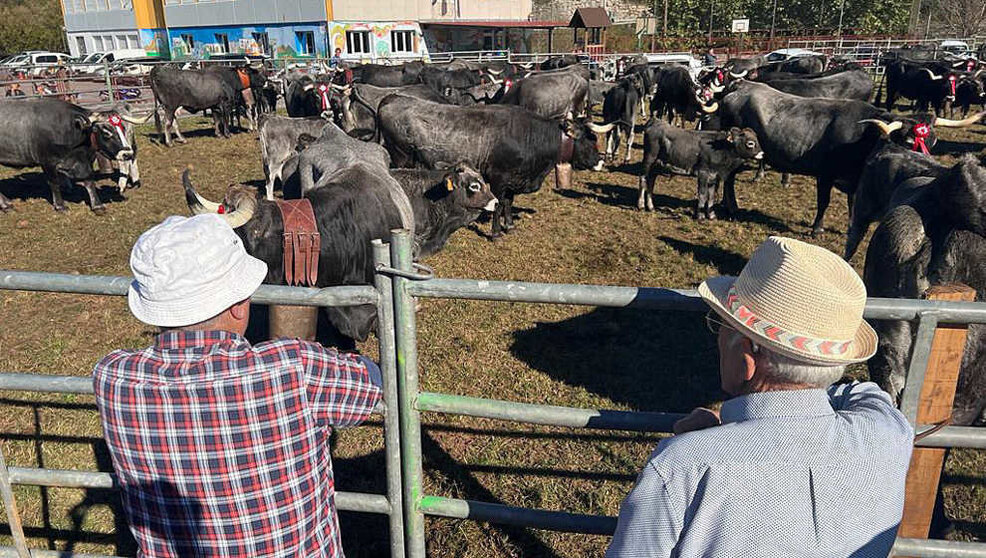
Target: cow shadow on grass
(615,195)
(648,360)
(34,185)
(726,262)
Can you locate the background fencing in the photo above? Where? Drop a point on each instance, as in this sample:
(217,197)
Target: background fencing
(394,293)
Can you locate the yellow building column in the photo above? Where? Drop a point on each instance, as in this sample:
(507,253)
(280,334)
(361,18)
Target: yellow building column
(328,10)
(149,14)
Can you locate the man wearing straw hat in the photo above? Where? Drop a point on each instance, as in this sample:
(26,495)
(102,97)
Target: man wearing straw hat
(221,448)
(791,465)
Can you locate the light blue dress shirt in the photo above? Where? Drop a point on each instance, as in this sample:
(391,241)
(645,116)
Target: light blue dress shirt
(789,473)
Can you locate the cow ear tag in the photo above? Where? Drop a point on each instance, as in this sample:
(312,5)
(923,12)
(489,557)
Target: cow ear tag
(448,184)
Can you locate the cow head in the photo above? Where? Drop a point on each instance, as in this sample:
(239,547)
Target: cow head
(465,187)
(109,136)
(918,134)
(585,155)
(971,90)
(745,143)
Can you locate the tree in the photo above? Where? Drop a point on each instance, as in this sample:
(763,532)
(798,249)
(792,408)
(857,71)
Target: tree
(959,18)
(31,25)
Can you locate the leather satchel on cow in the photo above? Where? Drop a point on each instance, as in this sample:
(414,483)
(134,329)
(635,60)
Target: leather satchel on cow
(302,242)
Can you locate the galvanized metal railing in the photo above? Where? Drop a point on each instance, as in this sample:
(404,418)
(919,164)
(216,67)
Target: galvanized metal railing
(380,295)
(413,401)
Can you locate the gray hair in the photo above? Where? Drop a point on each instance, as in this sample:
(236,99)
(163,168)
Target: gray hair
(781,369)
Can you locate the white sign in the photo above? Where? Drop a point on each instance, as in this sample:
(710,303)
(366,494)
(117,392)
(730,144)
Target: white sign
(741,25)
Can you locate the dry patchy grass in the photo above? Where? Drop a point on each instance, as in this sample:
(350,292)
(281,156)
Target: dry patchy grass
(561,355)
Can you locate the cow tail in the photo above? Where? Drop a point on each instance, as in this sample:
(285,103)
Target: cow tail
(157,119)
(376,116)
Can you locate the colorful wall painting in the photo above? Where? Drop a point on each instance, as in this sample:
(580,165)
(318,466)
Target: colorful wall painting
(286,41)
(380,40)
(154,42)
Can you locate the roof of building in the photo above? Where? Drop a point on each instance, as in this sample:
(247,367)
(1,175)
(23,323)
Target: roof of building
(590,17)
(498,23)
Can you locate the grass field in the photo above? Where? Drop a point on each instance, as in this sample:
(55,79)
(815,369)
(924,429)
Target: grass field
(562,355)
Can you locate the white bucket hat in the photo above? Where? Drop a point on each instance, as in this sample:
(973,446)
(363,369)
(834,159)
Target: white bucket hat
(798,300)
(189,269)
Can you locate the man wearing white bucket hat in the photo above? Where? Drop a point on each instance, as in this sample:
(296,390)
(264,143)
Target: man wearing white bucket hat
(221,447)
(792,465)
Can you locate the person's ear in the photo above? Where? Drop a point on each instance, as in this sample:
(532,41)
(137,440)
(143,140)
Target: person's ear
(749,359)
(241,310)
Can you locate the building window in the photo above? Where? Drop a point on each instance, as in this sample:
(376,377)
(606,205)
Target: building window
(133,41)
(189,41)
(357,42)
(121,41)
(595,36)
(489,39)
(108,42)
(80,43)
(402,41)
(306,42)
(263,42)
(97,43)
(222,39)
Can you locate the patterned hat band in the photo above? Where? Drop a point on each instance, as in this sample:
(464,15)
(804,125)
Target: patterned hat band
(822,347)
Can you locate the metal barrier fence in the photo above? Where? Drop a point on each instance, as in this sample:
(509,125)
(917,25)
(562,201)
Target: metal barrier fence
(380,295)
(413,401)
(394,294)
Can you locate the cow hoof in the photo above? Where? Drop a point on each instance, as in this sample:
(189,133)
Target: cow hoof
(60,208)
(135,185)
(712,216)
(99,210)
(817,232)
(181,141)
(700,217)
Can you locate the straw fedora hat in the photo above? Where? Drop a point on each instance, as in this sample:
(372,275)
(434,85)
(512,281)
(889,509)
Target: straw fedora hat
(799,300)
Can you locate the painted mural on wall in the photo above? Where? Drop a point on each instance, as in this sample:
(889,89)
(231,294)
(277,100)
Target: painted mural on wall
(291,41)
(154,42)
(380,38)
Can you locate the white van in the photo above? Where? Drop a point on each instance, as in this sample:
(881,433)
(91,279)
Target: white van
(94,62)
(36,62)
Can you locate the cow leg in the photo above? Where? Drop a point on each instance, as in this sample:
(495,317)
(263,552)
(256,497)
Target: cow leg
(823,191)
(713,196)
(761,171)
(134,174)
(729,204)
(651,179)
(94,202)
(508,212)
(174,123)
(701,196)
(785,179)
(124,176)
(629,143)
(168,125)
(496,229)
(4,203)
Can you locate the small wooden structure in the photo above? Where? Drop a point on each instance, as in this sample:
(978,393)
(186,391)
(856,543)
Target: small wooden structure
(594,21)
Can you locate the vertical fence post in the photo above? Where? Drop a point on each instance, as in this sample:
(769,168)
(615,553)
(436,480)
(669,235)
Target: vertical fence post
(391,424)
(937,393)
(109,82)
(13,517)
(407,382)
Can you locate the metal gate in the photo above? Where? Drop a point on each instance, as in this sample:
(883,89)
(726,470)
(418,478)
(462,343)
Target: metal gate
(413,401)
(393,293)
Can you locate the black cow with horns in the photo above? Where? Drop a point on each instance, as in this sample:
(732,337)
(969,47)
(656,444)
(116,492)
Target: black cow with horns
(193,90)
(513,148)
(353,207)
(63,139)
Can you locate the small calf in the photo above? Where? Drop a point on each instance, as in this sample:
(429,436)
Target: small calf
(711,156)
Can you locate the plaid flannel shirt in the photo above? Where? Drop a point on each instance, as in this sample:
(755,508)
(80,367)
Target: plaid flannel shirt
(222,448)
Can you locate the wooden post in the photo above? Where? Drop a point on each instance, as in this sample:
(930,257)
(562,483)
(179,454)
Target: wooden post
(937,396)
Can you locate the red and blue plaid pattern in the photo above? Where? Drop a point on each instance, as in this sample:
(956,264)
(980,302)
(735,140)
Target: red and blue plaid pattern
(222,448)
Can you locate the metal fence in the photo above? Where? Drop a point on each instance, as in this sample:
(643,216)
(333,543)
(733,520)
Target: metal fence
(413,401)
(380,295)
(396,287)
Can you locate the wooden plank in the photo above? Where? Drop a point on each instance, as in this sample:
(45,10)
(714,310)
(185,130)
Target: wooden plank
(937,397)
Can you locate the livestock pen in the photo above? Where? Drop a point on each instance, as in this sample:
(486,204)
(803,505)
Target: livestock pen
(584,357)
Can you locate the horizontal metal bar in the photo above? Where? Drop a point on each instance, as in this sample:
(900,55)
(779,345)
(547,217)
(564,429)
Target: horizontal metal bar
(954,437)
(547,414)
(922,548)
(16,381)
(11,552)
(43,383)
(603,525)
(118,286)
(346,501)
(665,299)
(511,515)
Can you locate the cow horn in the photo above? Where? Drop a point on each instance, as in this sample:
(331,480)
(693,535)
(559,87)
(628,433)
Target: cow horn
(243,209)
(718,89)
(196,203)
(601,128)
(887,129)
(946,123)
(740,75)
(493,72)
(709,109)
(133,120)
(976,75)
(932,74)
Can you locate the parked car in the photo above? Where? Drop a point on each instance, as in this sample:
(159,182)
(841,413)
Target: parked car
(780,55)
(36,62)
(959,49)
(94,62)
(693,64)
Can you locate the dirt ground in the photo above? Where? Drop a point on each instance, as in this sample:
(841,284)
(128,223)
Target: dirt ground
(563,355)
